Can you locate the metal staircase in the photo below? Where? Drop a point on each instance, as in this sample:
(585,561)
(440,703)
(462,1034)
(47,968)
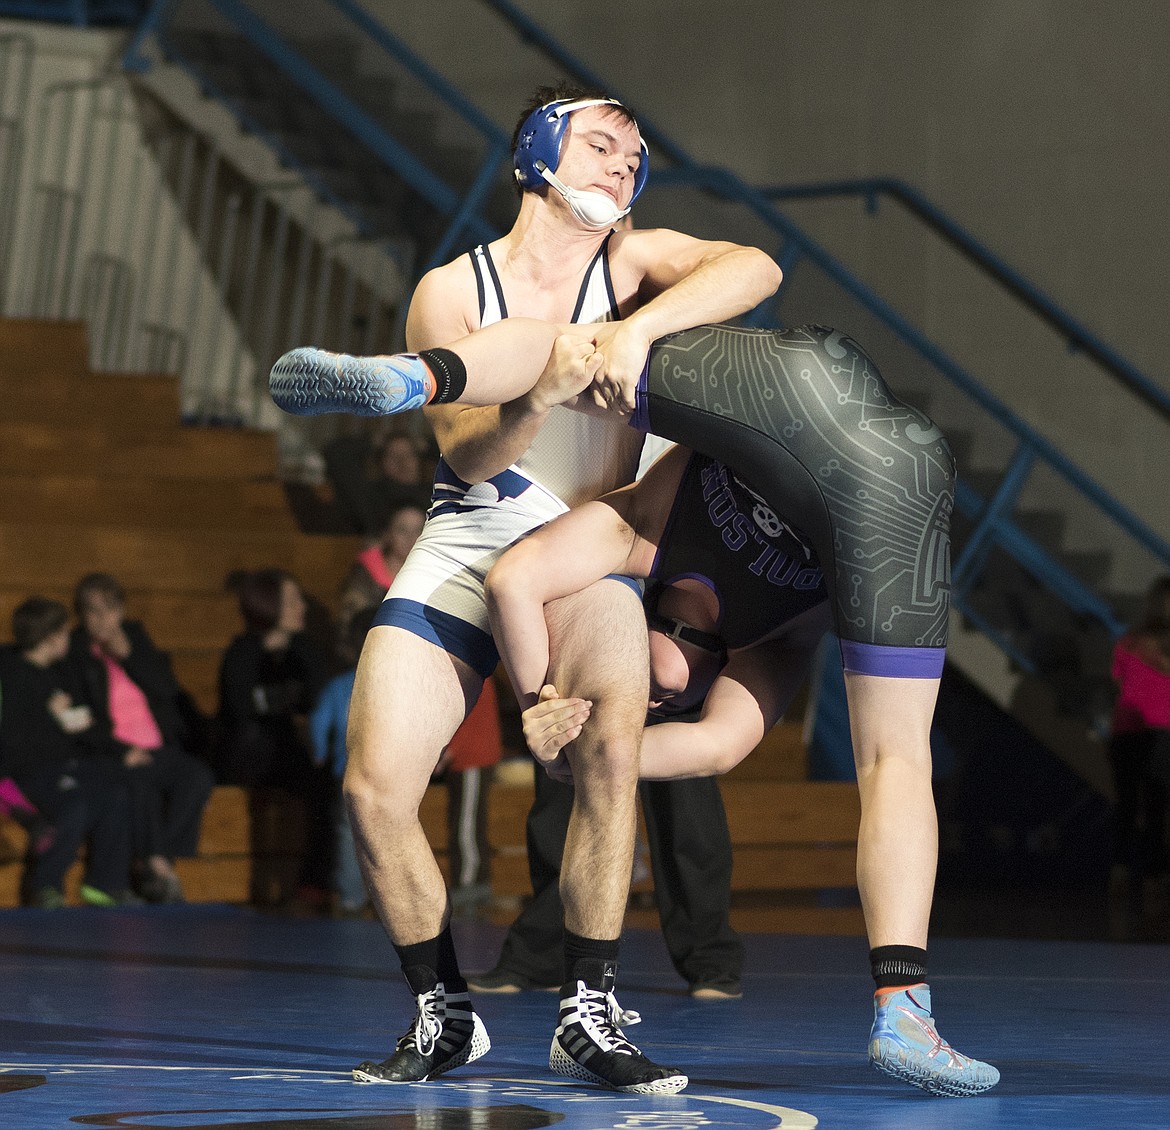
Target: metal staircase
(1048,561)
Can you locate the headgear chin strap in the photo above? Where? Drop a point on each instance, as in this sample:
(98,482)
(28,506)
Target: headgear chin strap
(593,209)
(538,153)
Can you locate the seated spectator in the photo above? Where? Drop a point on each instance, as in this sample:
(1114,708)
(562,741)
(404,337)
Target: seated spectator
(41,729)
(371,481)
(375,568)
(269,681)
(129,687)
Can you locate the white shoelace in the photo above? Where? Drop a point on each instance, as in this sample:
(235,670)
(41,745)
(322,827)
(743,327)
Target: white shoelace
(428,1026)
(601,1015)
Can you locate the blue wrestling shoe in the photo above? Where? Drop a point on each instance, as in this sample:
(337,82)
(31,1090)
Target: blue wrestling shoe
(311,382)
(904,1043)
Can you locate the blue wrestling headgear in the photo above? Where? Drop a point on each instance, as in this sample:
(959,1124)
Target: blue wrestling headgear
(538,153)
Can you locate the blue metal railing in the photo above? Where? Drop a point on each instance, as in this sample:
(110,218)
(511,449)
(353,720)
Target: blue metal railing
(993,525)
(463,210)
(991,517)
(1078,337)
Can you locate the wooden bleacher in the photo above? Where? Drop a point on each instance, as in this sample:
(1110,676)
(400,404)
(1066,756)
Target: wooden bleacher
(97,472)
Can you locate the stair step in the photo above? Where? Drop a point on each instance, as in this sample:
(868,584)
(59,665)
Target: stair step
(791,812)
(185,453)
(197,671)
(122,403)
(58,499)
(1092,567)
(184,620)
(42,556)
(781,756)
(1043,526)
(31,346)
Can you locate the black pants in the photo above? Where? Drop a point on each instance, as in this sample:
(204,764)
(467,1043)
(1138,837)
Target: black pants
(86,802)
(690,853)
(168,797)
(1138,761)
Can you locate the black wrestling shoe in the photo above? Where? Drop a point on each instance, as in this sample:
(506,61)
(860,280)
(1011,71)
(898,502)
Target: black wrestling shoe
(446,1033)
(589,1045)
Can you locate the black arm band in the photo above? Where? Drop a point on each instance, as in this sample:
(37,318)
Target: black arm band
(449,372)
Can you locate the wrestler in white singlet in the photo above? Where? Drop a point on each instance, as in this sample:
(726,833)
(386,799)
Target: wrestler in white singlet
(438,593)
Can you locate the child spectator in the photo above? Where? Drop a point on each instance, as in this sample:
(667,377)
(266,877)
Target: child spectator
(371,481)
(375,568)
(41,733)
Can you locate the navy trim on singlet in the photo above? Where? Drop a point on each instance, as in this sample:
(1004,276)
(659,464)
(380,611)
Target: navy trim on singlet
(584,291)
(480,293)
(449,490)
(614,313)
(456,637)
(635,585)
(491,266)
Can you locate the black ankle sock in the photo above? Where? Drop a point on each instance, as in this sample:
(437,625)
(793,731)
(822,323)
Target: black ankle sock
(449,372)
(893,966)
(425,963)
(591,960)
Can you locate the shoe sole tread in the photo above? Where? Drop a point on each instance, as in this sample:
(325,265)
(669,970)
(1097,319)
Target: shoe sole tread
(312,382)
(891,1059)
(562,1063)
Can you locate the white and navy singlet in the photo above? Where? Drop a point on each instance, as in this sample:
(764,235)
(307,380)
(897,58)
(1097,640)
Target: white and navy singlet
(438,593)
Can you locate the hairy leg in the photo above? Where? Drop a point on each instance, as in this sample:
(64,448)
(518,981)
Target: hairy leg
(598,643)
(897,844)
(394,745)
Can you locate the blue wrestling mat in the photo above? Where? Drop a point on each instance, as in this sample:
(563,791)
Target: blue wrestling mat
(197,1017)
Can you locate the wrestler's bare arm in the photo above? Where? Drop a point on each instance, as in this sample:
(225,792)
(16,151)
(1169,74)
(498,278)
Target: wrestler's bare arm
(749,696)
(681,282)
(562,558)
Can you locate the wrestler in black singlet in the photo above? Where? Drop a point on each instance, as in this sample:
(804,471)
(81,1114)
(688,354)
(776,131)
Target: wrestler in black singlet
(725,535)
(805,417)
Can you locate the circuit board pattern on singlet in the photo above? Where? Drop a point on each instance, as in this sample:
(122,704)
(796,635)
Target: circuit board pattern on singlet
(805,416)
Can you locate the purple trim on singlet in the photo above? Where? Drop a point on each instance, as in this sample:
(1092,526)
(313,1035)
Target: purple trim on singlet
(892,662)
(640,417)
(702,578)
(456,637)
